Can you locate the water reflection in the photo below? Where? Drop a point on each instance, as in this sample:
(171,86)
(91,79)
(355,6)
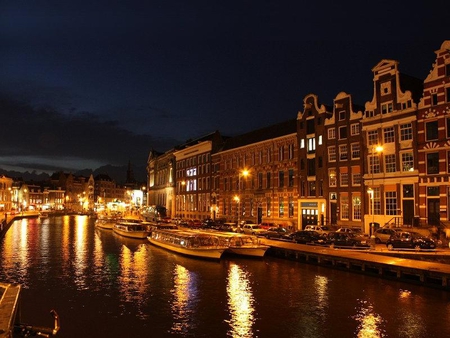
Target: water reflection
(80,253)
(240,302)
(132,279)
(369,323)
(184,293)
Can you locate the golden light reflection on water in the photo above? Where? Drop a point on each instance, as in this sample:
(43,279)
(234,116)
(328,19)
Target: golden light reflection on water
(240,302)
(80,253)
(183,292)
(132,279)
(411,323)
(370,322)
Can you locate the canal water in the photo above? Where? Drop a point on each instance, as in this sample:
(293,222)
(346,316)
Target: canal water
(104,285)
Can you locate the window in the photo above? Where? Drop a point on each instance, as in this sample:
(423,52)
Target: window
(356,179)
(447,94)
(431,130)
(376,202)
(391,202)
(433,163)
(387,108)
(356,202)
(260,180)
(281,179)
(332,154)
(312,188)
(331,134)
(354,129)
(408,191)
(332,176)
(344,179)
(406,132)
(281,207)
(390,163)
(268,180)
(356,151)
(343,153)
(434,99)
(291,178)
(311,145)
(407,161)
(344,207)
(311,166)
(302,143)
(372,137)
(291,151)
(281,153)
(375,167)
(269,207)
(291,206)
(342,132)
(433,191)
(389,135)
(342,115)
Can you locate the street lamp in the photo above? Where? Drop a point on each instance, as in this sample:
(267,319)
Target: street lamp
(237,198)
(376,149)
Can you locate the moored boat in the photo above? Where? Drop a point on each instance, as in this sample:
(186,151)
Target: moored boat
(106,222)
(243,245)
(132,228)
(195,244)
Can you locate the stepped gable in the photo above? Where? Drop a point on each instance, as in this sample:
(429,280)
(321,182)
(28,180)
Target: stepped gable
(263,134)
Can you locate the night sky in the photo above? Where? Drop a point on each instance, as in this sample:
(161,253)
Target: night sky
(89,83)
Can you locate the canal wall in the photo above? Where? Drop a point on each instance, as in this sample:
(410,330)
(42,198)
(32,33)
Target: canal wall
(388,266)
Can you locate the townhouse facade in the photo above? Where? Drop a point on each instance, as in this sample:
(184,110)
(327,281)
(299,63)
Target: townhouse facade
(255,176)
(433,136)
(382,163)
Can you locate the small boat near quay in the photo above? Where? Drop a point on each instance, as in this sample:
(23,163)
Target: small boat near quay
(106,222)
(243,245)
(132,228)
(190,243)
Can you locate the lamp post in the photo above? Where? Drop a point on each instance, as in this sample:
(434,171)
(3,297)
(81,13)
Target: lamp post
(371,191)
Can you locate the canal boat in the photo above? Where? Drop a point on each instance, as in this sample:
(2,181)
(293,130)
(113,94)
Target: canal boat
(105,222)
(242,245)
(194,244)
(132,228)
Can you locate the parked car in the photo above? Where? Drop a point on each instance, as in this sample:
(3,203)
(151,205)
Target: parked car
(276,232)
(382,235)
(195,223)
(323,230)
(338,239)
(410,240)
(227,227)
(346,230)
(305,237)
(253,229)
(267,225)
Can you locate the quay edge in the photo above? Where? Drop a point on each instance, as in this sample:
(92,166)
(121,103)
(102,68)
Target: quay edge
(415,271)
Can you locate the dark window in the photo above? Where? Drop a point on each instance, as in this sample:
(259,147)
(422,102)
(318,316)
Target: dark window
(433,163)
(291,177)
(434,99)
(408,190)
(342,133)
(281,179)
(432,191)
(311,167)
(431,129)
